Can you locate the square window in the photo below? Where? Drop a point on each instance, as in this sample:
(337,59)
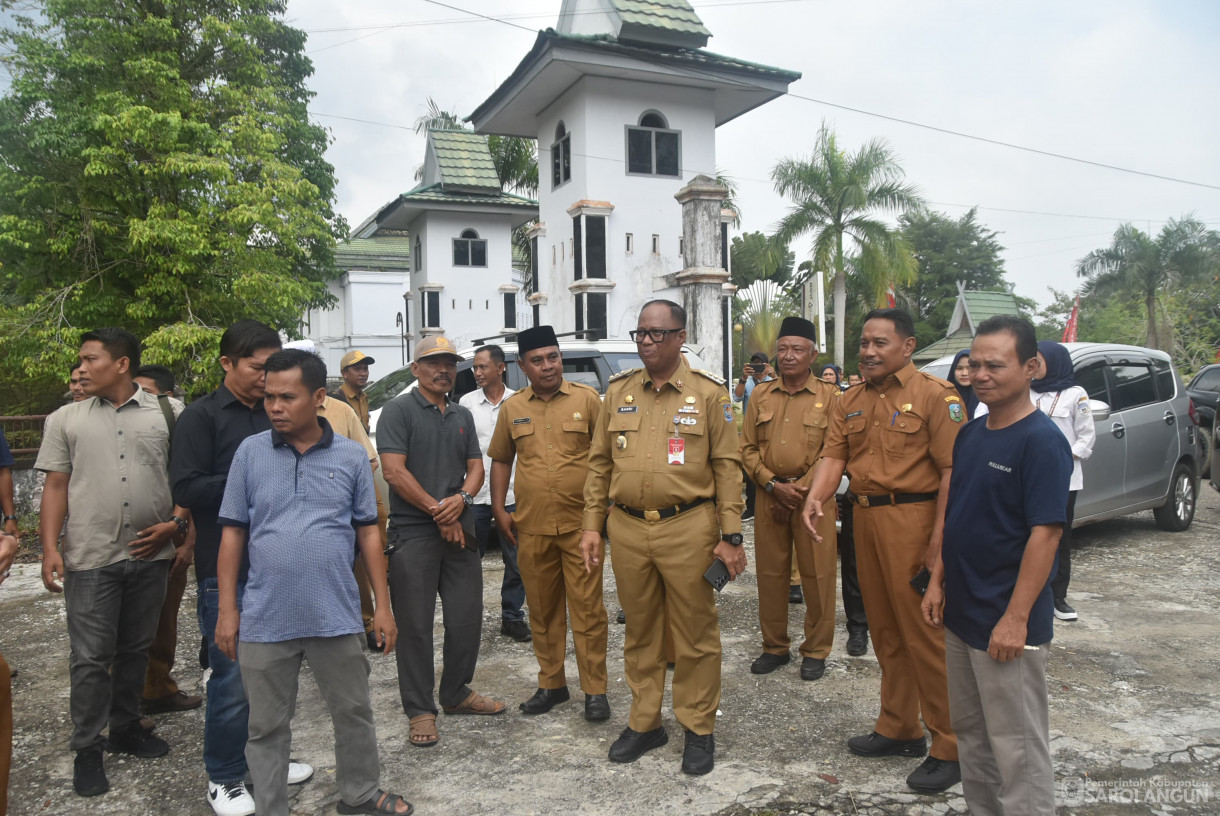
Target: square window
(656,245)
(630,242)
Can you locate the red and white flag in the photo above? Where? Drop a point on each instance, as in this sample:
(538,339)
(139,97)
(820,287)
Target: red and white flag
(1069,331)
(891,298)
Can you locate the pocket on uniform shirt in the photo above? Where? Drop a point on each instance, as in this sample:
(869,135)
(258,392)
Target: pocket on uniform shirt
(627,427)
(523,437)
(152,448)
(815,430)
(575,437)
(765,426)
(902,438)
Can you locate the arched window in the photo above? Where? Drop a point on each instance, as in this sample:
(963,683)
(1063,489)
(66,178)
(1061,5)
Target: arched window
(653,149)
(469,249)
(561,156)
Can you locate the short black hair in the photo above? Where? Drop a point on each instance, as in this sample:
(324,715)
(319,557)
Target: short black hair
(758,355)
(245,337)
(75,366)
(675,311)
(497,353)
(313,370)
(119,343)
(159,374)
(901,319)
(1019,327)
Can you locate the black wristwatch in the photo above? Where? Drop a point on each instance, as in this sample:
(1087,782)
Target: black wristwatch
(732,539)
(7,519)
(467,499)
(769,486)
(183,524)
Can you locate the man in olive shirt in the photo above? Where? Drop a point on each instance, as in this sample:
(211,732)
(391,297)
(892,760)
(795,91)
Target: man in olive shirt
(894,435)
(546,428)
(782,435)
(665,452)
(355,370)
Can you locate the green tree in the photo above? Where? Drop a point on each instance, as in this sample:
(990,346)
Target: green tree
(756,257)
(837,197)
(1137,267)
(158,171)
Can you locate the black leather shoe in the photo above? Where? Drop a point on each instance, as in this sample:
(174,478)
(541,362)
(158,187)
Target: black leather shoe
(795,596)
(875,745)
(631,745)
(699,756)
(857,642)
(767,663)
(371,639)
(597,707)
(137,742)
(88,775)
(935,776)
(544,700)
(517,630)
(621,617)
(812,668)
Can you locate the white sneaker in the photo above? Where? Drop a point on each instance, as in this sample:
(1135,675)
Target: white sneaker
(299,772)
(231,799)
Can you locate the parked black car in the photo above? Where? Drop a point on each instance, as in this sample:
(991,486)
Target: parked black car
(1204,392)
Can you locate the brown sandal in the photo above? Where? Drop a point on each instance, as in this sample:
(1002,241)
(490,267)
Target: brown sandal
(423,731)
(477,704)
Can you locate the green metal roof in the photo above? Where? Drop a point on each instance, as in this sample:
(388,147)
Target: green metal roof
(436,193)
(464,160)
(982,305)
(668,15)
(379,252)
(952,344)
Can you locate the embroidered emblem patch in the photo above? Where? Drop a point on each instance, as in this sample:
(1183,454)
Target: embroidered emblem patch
(955,412)
(728,413)
(953,398)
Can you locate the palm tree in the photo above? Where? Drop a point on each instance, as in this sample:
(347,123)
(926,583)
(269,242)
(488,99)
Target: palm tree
(515,159)
(836,197)
(763,306)
(1136,265)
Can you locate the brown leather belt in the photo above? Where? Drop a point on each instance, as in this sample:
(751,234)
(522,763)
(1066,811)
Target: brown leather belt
(885,499)
(662,512)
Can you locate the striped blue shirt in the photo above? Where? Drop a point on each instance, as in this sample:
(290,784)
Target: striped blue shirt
(301,511)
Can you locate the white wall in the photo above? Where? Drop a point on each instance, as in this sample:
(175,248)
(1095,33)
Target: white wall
(363,318)
(596,112)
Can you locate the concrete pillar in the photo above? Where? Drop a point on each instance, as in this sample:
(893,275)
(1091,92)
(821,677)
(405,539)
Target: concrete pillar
(703,278)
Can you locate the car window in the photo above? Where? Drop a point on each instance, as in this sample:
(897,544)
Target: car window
(464,383)
(582,370)
(1092,378)
(1208,380)
(1166,385)
(1133,385)
(623,361)
(389,387)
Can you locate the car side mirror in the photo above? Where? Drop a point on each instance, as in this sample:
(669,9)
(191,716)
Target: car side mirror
(1100,410)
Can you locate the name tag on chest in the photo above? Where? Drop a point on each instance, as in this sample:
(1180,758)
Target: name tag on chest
(521,421)
(677,451)
(628,409)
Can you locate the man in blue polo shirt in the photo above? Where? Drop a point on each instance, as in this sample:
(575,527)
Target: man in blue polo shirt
(299,501)
(990,589)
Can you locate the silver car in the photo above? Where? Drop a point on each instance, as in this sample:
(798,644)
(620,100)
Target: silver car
(1147,453)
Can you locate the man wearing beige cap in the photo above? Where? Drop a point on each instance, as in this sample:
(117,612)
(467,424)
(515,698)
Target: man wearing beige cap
(431,460)
(355,370)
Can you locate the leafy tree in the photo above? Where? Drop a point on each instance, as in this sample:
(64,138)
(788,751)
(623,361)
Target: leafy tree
(757,257)
(158,171)
(837,198)
(1138,267)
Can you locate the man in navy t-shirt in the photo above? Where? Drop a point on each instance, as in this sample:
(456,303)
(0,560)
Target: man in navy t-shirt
(991,589)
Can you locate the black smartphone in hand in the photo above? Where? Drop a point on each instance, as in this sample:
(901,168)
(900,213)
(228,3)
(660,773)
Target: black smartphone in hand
(921,580)
(717,574)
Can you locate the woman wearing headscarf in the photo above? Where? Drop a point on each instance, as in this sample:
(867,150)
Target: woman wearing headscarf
(1057,394)
(831,373)
(959,375)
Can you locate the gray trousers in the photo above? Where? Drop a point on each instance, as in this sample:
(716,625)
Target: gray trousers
(269,672)
(999,712)
(423,566)
(112,620)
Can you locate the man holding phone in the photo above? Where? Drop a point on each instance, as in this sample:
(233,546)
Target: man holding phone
(664,452)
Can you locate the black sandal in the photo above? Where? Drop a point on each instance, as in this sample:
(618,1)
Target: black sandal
(379,803)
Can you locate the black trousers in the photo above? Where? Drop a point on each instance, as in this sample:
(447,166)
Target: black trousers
(1063,575)
(853,602)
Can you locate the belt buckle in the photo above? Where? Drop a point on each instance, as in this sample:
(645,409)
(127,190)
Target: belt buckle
(862,501)
(652,515)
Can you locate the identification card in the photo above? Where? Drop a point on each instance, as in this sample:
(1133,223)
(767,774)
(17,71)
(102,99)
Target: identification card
(677,451)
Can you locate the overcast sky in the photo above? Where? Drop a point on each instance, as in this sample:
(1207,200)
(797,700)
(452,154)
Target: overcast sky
(1119,82)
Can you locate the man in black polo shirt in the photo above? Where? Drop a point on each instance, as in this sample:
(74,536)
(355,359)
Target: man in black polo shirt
(205,438)
(431,460)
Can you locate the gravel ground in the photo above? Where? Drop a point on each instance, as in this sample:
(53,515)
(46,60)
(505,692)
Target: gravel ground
(1135,712)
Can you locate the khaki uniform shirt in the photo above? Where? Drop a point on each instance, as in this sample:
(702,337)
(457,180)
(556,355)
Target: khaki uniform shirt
(117,458)
(629,462)
(343,421)
(896,438)
(550,440)
(359,402)
(782,434)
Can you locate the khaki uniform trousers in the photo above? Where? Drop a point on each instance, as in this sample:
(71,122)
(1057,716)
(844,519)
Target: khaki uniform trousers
(362,576)
(658,567)
(890,544)
(157,679)
(774,545)
(553,572)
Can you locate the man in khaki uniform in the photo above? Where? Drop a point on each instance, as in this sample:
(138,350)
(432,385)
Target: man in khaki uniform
(895,437)
(355,370)
(782,435)
(546,428)
(665,452)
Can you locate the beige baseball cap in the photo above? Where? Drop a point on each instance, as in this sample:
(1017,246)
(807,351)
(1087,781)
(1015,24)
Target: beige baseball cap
(434,346)
(353,357)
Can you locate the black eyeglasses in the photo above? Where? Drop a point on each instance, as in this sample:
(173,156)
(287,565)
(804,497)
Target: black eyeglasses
(655,335)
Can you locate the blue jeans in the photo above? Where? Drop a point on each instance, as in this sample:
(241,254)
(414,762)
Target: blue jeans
(226,718)
(512,590)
